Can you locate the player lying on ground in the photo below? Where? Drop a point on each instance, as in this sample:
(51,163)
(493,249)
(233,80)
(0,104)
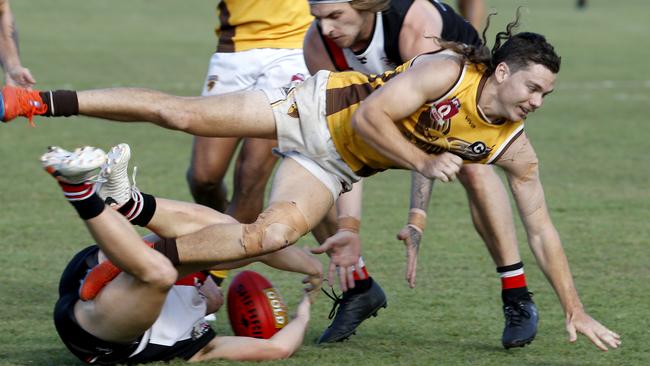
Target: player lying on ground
(146,313)
(329,140)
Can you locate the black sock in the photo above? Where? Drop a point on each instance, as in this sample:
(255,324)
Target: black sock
(89,208)
(514,294)
(60,103)
(139,210)
(513,283)
(168,248)
(84,199)
(360,286)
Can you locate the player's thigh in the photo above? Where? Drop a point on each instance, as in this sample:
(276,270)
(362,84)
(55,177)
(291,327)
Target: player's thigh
(122,311)
(295,183)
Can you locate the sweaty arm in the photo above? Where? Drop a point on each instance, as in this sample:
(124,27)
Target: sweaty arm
(521,166)
(429,78)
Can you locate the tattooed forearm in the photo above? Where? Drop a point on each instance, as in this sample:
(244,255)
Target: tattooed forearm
(420,191)
(414,239)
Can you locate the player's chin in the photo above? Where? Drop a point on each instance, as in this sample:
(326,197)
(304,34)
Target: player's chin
(342,42)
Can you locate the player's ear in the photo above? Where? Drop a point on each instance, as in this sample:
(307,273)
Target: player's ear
(501,72)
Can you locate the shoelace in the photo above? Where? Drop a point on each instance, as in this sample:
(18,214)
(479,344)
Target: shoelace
(134,189)
(515,313)
(337,301)
(34,107)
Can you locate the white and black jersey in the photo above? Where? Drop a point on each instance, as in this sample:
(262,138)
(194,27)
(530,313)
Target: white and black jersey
(382,53)
(179,332)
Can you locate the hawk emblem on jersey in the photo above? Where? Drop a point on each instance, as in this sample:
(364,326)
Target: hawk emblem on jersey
(432,129)
(212,81)
(293,111)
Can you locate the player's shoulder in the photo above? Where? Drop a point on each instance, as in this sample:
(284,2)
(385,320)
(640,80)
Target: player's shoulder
(445,63)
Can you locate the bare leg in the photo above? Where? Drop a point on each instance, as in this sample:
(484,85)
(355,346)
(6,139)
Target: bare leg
(253,170)
(175,218)
(243,114)
(327,227)
(205,176)
(130,304)
(491,212)
(229,242)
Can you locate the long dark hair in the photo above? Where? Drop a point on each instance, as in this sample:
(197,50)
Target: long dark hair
(518,50)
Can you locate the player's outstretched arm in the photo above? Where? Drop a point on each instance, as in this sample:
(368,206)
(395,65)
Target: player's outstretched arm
(282,345)
(411,233)
(521,165)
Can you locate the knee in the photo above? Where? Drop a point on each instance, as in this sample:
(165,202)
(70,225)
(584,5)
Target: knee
(203,177)
(160,273)
(474,176)
(175,114)
(281,225)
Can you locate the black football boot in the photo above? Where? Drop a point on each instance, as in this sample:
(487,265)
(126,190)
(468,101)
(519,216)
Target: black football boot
(353,308)
(521,321)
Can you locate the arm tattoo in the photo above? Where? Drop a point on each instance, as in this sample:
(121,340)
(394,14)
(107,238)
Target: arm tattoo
(414,239)
(420,191)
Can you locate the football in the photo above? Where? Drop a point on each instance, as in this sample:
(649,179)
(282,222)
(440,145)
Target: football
(255,308)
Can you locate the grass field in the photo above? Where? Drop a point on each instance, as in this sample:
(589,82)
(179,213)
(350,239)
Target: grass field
(591,138)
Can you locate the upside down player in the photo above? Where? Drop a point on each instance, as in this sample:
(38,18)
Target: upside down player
(346,37)
(328,139)
(146,313)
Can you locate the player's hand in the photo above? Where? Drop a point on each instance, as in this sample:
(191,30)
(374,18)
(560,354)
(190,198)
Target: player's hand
(344,249)
(313,281)
(19,76)
(597,333)
(443,167)
(411,237)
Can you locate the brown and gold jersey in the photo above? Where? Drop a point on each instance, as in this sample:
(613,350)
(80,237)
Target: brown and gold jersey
(452,123)
(248,24)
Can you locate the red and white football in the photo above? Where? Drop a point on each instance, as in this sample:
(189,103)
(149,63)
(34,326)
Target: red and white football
(255,308)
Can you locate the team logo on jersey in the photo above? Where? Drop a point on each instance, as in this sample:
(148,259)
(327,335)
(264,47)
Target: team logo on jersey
(200,328)
(293,111)
(432,133)
(443,111)
(297,78)
(212,81)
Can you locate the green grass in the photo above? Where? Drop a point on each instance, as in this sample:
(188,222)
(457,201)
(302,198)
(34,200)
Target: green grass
(591,138)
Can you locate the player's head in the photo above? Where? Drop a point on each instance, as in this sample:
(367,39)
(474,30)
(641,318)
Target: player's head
(348,23)
(525,67)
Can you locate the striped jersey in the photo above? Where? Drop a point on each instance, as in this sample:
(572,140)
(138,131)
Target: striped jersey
(249,24)
(452,123)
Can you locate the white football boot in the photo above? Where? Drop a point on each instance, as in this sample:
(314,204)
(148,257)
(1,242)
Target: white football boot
(116,188)
(80,166)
